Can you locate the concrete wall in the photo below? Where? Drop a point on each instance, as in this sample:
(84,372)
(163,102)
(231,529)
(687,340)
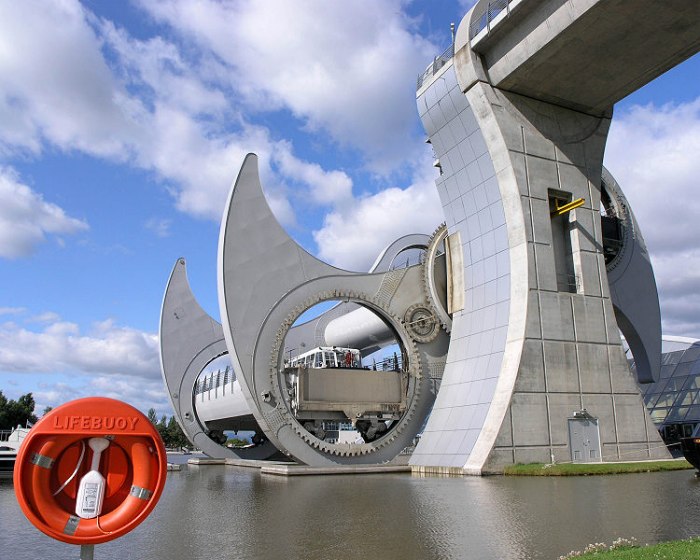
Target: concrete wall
(588,54)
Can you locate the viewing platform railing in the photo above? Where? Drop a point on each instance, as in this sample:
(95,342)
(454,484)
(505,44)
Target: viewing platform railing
(489,12)
(438,62)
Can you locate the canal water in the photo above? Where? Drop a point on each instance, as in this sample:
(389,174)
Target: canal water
(219,512)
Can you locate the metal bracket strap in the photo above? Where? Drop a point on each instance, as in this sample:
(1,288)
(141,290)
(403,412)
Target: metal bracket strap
(41,461)
(71,525)
(140,493)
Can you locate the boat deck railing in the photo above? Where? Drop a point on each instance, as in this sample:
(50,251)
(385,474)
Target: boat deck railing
(215,380)
(21,433)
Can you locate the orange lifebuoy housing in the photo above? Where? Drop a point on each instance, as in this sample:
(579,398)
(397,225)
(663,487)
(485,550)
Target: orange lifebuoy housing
(134,467)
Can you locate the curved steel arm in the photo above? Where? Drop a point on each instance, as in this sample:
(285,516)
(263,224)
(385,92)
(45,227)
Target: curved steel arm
(189,340)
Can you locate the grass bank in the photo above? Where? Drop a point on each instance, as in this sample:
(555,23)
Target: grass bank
(676,550)
(582,469)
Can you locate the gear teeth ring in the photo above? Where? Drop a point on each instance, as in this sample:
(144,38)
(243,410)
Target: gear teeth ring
(439,235)
(414,381)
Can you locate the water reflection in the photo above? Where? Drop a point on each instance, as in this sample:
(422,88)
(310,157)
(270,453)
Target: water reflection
(235,513)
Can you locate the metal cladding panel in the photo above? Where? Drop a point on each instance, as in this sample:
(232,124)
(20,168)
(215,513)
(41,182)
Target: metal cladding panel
(474,210)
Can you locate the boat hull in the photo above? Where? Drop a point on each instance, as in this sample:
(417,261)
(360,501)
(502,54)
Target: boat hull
(691,450)
(7,463)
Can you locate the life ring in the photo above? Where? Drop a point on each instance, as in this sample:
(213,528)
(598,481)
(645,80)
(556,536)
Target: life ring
(143,472)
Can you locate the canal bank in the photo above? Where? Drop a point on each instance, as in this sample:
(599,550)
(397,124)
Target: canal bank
(282,468)
(586,469)
(233,512)
(621,550)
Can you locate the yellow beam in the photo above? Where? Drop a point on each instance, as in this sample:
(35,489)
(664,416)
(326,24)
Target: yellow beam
(569,206)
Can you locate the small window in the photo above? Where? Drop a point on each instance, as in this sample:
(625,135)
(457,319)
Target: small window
(677,414)
(686,398)
(693,413)
(658,415)
(672,358)
(691,383)
(666,399)
(674,384)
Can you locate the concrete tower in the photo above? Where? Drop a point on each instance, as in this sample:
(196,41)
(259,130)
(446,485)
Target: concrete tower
(518,119)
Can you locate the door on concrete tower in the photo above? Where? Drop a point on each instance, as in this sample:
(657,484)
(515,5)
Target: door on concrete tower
(584,438)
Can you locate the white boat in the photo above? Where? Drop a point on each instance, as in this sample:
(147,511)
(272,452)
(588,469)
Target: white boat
(10,442)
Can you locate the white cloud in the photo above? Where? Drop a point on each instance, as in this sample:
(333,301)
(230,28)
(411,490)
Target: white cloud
(201,166)
(653,153)
(61,348)
(159,226)
(89,86)
(353,235)
(65,364)
(55,84)
(156,70)
(141,393)
(54,394)
(144,394)
(347,68)
(176,111)
(678,277)
(46,317)
(12,310)
(325,187)
(26,218)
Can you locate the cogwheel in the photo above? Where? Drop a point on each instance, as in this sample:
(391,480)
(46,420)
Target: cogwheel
(421,323)
(414,385)
(436,295)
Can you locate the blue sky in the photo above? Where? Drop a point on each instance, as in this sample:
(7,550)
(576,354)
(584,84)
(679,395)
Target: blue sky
(124,124)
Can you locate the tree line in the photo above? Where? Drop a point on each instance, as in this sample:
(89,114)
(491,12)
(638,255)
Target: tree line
(170,431)
(16,413)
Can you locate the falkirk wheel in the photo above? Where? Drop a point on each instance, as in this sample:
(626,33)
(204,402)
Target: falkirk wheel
(508,329)
(266,281)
